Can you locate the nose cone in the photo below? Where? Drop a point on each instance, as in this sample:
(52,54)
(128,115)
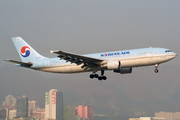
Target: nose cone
(174,54)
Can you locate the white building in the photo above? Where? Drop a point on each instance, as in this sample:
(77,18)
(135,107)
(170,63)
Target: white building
(147,118)
(12,113)
(168,115)
(31,105)
(54,105)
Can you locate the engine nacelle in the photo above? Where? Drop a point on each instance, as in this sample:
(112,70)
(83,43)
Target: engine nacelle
(124,70)
(113,65)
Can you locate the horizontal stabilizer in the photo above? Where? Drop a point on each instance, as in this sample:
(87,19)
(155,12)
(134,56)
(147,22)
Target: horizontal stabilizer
(19,62)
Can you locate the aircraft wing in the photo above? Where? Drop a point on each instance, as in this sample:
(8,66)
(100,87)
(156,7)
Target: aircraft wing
(78,59)
(19,62)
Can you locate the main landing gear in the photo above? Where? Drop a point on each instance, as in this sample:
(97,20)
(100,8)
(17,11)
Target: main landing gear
(94,75)
(156,70)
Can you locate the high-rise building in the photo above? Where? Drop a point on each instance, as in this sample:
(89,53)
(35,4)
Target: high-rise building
(54,105)
(22,106)
(10,101)
(80,111)
(72,112)
(147,118)
(31,105)
(85,112)
(38,113)
(69,112)
(90,112)
(2,113)
(168,115)
(7,114)
(4,104)
(77,117)
(12,114)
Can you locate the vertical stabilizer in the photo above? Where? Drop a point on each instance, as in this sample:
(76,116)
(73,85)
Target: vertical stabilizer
(25,51)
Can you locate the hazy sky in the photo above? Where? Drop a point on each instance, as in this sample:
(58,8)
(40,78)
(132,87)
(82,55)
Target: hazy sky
(89,26)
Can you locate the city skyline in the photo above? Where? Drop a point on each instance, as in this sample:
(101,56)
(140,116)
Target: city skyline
(88,27)
(82,111)
(31,102)
(54,108)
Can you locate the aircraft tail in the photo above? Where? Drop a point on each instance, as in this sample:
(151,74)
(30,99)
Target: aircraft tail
(25,51)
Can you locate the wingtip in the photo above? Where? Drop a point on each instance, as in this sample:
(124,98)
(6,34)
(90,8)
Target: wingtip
(7,60)
(54,51)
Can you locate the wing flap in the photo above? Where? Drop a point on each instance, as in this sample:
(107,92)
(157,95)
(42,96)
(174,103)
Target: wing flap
(19,62)
(75,58)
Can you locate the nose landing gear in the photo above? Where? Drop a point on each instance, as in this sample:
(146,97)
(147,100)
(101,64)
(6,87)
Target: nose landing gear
(156,70)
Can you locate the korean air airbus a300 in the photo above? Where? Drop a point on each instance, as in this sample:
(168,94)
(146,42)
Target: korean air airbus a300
(118,61)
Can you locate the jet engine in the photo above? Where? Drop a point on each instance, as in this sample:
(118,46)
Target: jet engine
(113,65)
(123,70)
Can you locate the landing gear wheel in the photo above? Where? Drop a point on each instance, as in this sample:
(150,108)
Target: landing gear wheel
(104,77)
(96,75)
(156,70)
(99,78)
(91,76)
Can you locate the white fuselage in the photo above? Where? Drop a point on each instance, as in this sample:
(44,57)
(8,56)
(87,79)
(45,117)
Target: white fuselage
(128,59)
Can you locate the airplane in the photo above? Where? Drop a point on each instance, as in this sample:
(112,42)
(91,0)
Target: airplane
(66,62)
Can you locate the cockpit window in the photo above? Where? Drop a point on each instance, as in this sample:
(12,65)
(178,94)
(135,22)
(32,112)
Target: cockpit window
(168,51)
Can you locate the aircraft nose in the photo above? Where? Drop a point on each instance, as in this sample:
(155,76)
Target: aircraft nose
(174,55)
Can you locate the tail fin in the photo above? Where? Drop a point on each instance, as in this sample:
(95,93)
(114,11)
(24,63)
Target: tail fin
(25,51)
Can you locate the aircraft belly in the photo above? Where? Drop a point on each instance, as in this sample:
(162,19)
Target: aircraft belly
(137,62)
(70,68)
(57,69)
(128,63)
(73,69)
(144,61)
(154,60)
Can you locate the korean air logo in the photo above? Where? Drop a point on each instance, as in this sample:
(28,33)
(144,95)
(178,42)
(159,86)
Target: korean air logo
(25,51)
(115,54)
